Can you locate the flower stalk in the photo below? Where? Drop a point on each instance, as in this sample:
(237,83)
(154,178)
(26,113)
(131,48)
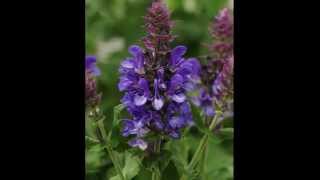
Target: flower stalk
(156,170)
(92,102)
(202,145)
(101,134)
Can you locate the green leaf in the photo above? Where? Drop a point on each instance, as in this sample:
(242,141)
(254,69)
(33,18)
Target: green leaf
(154,160)
(115,123)
(198,119)
(95,158)
(180,150)
(225,134)
(131,167)
(116,113)
(164,159)
(219,161)
(91,141)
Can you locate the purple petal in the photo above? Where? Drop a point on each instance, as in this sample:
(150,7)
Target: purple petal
(176,54)
(142,132)
(128,63)
(139,100)
(172,108)
(158,124)
(185,108)
(91,65)
(96,71)
(189,86)
(175,83)
(90,60)
(141,144)
(127,127)
(195,64)
(134,127)
(174,134)
(157,103)
(208,111)
(176,122)
(124,83)
(143,84)
(134,50)
(160,74)
(127,100)
(179,98)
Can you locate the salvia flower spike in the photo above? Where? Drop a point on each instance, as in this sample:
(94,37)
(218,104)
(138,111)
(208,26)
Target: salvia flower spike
(217,71)
(155,80)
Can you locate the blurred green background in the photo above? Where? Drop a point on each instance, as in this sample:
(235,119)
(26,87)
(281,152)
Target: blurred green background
(111,27)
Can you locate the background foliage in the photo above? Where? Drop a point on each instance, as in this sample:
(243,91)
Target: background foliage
(112,26)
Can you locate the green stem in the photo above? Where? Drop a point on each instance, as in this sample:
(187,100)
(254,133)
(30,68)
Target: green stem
(102,137)
(156,170)
(202,146)
(203,165)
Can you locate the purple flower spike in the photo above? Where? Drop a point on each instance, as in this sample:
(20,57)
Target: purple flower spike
(217,74)
(223,24)
(155,81)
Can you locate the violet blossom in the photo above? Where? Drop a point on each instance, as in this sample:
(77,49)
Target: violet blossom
(155,80)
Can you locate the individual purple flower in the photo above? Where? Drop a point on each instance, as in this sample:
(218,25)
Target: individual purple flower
(155,81)
(140,143)
(205,101)
(92,98)
(158,100)
(91,66)
(136,127)
(141,93)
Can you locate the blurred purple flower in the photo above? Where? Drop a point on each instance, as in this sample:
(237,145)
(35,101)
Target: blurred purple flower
(91,66)
(223,24)
(217,72)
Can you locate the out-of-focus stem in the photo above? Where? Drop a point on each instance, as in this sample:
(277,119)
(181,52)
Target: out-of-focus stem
(102,137)
(156,170)
(202,145)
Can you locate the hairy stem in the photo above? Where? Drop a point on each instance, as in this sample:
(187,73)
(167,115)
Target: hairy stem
(202,146)
(103,139)
(156,170)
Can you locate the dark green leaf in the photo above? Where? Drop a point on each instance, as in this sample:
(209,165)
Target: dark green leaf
(131,167)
